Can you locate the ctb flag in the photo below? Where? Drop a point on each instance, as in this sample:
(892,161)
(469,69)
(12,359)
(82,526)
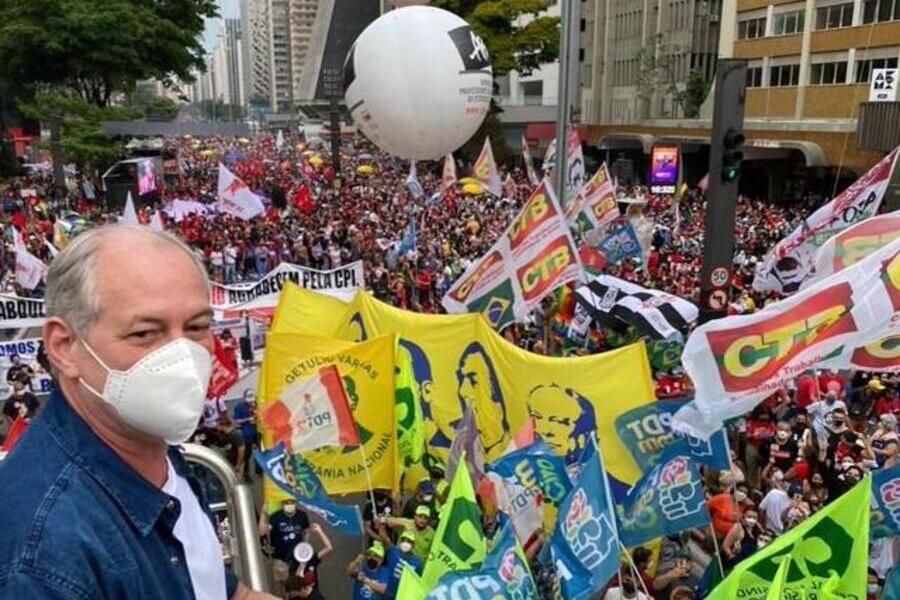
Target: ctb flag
(312,413)
(485,169)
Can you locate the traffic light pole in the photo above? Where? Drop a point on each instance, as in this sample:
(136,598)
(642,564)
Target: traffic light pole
(725,156)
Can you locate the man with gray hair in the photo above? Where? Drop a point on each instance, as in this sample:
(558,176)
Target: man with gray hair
(95,500)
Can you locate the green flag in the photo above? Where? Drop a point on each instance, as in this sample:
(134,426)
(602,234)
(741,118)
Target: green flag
(831,545)
(459,541)
(408,409)
(776,591)
(411,586)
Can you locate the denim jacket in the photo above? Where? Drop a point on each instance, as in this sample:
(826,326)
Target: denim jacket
(79,523)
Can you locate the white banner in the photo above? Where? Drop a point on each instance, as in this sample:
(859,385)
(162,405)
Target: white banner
(24,354)
(737,361)
(342,283)
(235,197)
(17,312)
(791,261)
(534,256)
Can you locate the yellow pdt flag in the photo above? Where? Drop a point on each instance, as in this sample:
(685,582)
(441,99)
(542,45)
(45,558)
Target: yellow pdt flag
(367,373)
(826,554)
(459,541)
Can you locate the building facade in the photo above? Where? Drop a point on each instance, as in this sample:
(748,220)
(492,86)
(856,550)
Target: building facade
(281,70)
(255,40)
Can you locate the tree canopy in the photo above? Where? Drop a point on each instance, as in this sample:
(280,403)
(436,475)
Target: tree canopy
(512,47)
(99,47)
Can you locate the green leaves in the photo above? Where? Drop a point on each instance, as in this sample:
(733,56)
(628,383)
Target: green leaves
(512,46)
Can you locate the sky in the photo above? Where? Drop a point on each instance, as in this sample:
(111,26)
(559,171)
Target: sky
(228,9)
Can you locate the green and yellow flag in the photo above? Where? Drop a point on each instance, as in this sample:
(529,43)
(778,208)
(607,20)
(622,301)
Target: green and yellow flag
(459,541)
(407,410)
(411,586)
(826,556)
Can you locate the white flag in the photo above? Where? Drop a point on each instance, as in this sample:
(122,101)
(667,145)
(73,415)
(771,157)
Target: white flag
(279,140)
(156,223)
(412,182)
(485,169)
(129,214)
(50,247)
(448,177)
(30,270)
(235,197)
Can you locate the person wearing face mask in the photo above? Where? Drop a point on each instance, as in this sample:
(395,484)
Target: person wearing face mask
(821,413)
(885,442)
(97,502)
(424,495)
(782,450)
(741,541)
(306,561)
(397,557)
(285,529)
(421,524)
(369,573)
(775,503)
(816,485)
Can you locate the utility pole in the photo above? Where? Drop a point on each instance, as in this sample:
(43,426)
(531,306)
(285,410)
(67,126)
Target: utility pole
(725,157)
(57,155)
(332,83)
(562,109)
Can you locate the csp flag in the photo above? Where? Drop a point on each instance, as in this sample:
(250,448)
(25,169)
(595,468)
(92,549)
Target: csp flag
(534,256)
(485,169)
(235,198)
(737,361)
(668,499)
(312,413)
(505,574)
(833,544)
(886,502)
(791,260)
(585,545)
(296,477)
(459,540)
(367,374)
(595,205)
(647,432)
(460,361)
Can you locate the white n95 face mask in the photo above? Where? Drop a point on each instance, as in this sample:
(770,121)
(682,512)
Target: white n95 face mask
(162,394)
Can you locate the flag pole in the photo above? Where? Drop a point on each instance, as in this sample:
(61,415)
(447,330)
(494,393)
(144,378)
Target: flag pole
(634,569)
(362,451)
(718,553)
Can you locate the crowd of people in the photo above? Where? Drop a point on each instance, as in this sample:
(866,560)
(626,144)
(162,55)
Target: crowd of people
(795,453)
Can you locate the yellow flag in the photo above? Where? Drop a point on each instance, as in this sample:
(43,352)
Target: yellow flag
(367,371)
(459,360)
(411,586)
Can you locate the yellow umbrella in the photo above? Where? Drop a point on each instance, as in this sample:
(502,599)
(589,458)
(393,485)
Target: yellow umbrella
(316,160)
(244,140)
(365,170)
(468,180)
(207,153)
(473,189)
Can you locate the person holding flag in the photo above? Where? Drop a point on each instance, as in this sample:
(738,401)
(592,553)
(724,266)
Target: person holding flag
(370,573)
(420,526)
(400,557)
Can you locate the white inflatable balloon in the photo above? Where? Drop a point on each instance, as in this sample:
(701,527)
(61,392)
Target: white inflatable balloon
(418,82)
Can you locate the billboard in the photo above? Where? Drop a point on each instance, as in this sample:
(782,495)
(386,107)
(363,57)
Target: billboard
(663,169)
(146,172)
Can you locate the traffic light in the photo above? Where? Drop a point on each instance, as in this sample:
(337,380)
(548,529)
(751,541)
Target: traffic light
(732,155)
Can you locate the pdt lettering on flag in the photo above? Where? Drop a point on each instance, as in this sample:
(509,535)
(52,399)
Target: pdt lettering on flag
(235,197)
(313,413)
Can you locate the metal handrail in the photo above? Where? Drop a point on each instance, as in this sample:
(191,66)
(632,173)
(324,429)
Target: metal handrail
(250,566)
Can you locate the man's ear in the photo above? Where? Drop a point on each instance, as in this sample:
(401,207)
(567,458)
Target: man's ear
(59,343)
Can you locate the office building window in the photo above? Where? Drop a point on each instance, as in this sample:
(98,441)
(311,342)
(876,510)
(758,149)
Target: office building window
(788,23)
(828,73)
(878,11)
(784,75)
(754,77)
(749,29)
(832,17)
(864,67)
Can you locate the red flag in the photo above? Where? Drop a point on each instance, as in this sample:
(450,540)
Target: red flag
(225,371)
(313,413)
(591,258)
(303,200)
(14,434)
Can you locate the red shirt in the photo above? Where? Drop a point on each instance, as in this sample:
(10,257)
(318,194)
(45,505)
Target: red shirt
(806,390)
(828,377)
(759,433)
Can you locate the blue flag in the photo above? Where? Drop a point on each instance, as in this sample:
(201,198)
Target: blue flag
(410,238)
(504,574)
(667,499)
(585,546)
(620,244)
(296,477)
(886,492)
(536,468)
(647,432)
